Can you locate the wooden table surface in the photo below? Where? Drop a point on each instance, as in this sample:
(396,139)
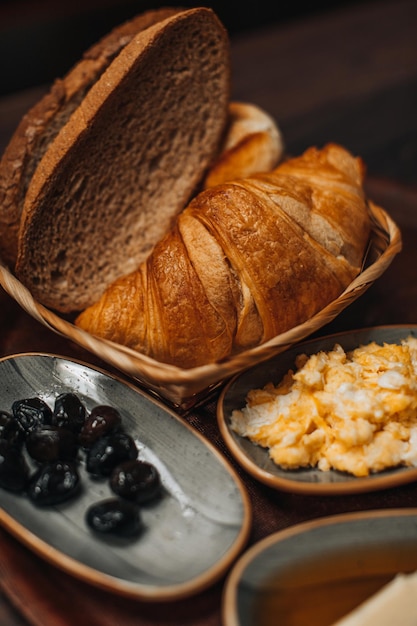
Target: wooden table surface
(348,76)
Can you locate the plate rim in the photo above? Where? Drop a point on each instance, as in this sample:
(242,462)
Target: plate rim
(351,485)
(108,582)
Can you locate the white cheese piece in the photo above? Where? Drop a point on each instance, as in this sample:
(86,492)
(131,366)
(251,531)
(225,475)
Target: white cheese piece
(395,603)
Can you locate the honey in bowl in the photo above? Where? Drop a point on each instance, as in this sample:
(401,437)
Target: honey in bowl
(320,591)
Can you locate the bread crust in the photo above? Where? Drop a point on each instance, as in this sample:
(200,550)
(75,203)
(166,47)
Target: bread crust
(134,150)
(41,124)
(253,143)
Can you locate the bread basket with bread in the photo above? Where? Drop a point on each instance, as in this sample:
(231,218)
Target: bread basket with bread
(161,226)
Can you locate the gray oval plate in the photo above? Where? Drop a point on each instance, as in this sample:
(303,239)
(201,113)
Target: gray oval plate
(255,459)
(191,534)
(316,572)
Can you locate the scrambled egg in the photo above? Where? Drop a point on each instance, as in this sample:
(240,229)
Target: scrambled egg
(351,411)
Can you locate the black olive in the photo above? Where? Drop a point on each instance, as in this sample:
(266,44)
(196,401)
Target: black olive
(115,517)
(9,429)
(30,413)
(54,482)
(14,471)
(69,412)
(109,451)
(102,420)
(136,480)
(50,443)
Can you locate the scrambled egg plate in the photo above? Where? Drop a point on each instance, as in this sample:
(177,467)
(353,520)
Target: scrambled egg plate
(351,411)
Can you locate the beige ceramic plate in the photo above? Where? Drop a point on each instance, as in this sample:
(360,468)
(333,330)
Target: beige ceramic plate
(315,573)
(255,459)
(191,534)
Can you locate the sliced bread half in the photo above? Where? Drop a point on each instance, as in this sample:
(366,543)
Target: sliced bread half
(44,120)
(126,162)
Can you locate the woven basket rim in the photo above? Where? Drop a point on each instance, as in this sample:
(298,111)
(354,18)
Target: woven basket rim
(185,386)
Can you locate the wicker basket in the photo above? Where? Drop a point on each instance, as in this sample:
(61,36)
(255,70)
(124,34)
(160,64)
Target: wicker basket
(184,388)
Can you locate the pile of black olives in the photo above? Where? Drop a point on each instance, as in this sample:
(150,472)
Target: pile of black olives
(41,449)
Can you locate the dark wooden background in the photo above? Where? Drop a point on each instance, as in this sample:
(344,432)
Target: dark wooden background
(40,39)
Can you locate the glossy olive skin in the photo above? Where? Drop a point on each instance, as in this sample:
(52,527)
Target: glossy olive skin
(69,412)
(30,413)
(55,442)
(109,451)
(136,480)
(51,443)
(9,429)
(103,420)
(54,483)
(114,516)
(14,471)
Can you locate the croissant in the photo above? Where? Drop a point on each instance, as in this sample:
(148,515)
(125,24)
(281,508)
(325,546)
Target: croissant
(245,261)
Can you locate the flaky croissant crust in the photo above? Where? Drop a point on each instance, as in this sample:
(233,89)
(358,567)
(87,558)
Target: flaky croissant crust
(245,261)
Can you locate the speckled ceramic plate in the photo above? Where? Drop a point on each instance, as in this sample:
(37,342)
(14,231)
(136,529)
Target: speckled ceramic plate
(255,459)
(314,573)
(192,533)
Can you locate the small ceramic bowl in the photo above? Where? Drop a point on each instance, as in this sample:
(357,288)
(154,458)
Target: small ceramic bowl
(255,459)
(317,572)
